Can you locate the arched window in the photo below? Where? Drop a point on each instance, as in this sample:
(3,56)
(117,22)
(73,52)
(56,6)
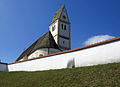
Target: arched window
(41,55)
(65,27)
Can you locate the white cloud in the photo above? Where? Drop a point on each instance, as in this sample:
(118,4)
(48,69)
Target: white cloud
(98,38)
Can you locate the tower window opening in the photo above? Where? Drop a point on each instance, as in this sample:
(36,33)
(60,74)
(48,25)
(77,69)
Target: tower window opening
(64,17)
(53,28)
(62,26)
(65,27)
(63,42)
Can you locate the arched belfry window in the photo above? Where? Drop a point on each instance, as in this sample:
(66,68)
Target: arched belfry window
(65,27)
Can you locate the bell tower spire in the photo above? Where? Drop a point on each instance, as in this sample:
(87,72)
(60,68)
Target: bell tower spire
(60,29)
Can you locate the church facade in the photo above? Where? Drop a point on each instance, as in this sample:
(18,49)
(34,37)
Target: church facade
(57,39)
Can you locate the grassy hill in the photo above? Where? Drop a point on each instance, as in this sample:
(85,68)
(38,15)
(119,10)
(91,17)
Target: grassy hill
(107,75)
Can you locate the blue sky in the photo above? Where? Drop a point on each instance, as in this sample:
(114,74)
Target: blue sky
(23,21)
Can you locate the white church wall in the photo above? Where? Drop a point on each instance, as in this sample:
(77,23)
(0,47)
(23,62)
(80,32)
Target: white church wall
(63,42)
(3,67)
(55,31)
(38,52)
(56,39)
(42,52)
(102,54)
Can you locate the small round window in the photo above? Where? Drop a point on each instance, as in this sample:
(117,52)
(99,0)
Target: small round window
(41,55)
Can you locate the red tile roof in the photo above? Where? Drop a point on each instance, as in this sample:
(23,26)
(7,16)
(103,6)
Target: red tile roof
(81,48)
(3,63)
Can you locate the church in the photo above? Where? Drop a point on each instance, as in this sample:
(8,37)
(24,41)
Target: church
(57,39)
(53,50)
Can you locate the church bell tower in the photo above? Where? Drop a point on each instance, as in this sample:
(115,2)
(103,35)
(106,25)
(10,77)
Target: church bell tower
(60,29)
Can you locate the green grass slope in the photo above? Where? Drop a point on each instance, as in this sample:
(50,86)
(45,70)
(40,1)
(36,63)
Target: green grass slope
(107,75)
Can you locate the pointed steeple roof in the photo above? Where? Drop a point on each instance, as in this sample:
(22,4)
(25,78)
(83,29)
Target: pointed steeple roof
(58,13)
(46,41)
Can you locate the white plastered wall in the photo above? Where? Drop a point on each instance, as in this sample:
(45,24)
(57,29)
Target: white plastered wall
(65,44)
(38,52)
(43,51)
(48,63)
(3,67)
(102,54)
(55,32)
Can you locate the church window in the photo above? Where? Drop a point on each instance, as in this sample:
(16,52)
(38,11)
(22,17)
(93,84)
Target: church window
(41,55)
(53,28)
(64,17)
(65,27)
(63,42)
(62,26)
